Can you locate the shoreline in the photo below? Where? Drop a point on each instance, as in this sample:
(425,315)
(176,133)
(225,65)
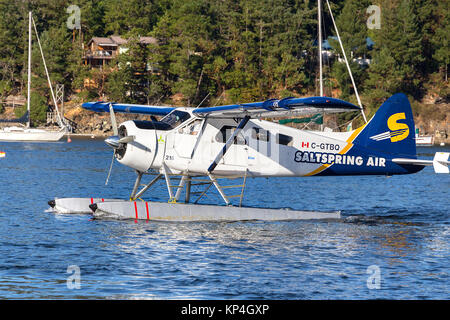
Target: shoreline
(85,136)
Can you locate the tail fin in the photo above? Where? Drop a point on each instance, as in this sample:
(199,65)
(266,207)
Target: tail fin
(391,129)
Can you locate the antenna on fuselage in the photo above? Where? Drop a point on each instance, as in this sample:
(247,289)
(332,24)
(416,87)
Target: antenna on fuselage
(198,106)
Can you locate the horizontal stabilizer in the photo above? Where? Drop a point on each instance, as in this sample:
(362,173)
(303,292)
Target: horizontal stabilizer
(440,162)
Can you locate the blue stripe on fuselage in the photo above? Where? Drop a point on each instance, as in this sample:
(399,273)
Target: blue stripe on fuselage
(361,161)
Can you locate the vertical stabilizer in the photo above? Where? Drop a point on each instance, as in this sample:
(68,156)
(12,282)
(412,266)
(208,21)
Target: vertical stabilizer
(391,129)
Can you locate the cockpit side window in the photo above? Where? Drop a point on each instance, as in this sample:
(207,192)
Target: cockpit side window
(175,118)
(192,128)
(169,122)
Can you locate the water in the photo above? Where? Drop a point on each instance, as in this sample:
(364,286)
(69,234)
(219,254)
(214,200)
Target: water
(392,229)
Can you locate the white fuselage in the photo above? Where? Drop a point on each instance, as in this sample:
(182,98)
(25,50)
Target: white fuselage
(263,148)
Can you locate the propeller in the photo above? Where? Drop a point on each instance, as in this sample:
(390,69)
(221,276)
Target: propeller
(115,141)
(112,141)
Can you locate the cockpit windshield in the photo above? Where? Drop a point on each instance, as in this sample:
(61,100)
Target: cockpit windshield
(175,118)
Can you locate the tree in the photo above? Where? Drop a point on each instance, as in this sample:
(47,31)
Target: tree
(13,46)
(186,48)
(441,40)
(56,47)
(38,109)
(129,80)
(353,32)
(133,17)
(397,57)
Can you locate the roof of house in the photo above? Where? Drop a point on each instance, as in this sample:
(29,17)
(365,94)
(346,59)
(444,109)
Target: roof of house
(116,40)
(103,41)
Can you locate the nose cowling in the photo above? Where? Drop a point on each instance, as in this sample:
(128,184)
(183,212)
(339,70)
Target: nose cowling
(135,145)
(119,142)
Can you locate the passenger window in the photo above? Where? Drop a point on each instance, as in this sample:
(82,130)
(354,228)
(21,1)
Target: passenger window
(284,139)
(226,132)
(260,134)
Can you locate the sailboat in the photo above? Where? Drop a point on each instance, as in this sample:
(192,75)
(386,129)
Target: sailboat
(16,133)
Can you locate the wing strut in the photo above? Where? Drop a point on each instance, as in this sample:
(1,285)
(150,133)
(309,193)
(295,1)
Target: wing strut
(228,143)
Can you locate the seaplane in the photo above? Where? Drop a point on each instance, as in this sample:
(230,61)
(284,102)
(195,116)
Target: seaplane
(201,146)
(193,149)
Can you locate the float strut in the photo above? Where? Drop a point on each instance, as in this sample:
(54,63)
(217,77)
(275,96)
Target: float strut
(136,184)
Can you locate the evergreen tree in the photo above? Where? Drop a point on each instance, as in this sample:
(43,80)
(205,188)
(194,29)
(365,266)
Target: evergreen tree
(353,32)
(232,50)
(13,46)
(133,17)
(185,47)
(397,58)
(441,40)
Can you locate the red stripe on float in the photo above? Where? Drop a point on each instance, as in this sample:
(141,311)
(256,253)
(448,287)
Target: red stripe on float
(103,200)
(135,209)
(92,200)
(146,206)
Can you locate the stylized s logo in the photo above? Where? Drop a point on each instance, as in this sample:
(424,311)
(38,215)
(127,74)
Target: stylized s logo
(399,131)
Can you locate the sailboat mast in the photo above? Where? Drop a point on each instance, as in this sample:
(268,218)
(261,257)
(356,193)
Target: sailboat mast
(60,122)
(29,70)
(346,63)
(319,18)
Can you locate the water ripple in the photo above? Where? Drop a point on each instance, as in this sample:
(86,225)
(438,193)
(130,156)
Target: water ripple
(399,225)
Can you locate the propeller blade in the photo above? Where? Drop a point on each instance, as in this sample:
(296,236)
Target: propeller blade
(127,139)
(113,120)
(110,167)
(115,142)
(112,141)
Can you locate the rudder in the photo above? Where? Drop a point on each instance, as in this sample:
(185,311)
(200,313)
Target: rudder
(391,129)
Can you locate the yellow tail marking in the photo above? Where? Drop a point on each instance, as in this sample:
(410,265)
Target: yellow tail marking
(399,131)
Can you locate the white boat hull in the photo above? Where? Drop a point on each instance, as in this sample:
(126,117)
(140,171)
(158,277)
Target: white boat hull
(424,141)
(22,134)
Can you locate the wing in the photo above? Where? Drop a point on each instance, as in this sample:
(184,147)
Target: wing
(127,108)
(274,108)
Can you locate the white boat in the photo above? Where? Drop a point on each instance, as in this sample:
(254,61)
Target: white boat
(424,141)
(30,134)
(26,133)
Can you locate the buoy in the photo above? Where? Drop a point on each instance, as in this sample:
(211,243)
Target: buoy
(2,154)
(68,139)
(442,144)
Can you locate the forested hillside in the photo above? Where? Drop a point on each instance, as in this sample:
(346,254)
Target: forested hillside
(226,51)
